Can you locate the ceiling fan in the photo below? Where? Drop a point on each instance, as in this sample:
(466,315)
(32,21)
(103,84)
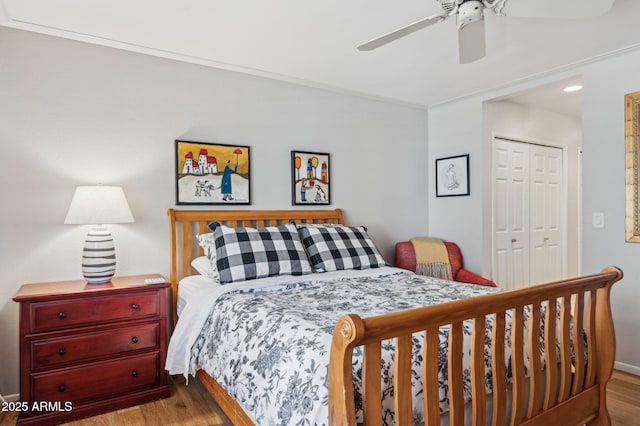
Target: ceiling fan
(470,19)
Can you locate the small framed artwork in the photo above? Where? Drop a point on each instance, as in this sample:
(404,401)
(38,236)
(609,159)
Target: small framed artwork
(310,182)
(452,176)
(212,173)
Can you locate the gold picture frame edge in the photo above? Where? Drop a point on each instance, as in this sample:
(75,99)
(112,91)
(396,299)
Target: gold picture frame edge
(632,166)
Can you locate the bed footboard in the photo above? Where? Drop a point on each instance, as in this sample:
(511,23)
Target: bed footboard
(576,318)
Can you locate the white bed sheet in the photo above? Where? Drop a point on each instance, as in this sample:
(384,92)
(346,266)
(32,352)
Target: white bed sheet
(188,286)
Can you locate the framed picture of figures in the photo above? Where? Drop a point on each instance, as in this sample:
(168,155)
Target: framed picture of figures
(212,173)
(310,182)
(452,176)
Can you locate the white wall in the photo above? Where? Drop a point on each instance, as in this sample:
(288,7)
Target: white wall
(604,191)
(456,129)
(605,81)
(74,113)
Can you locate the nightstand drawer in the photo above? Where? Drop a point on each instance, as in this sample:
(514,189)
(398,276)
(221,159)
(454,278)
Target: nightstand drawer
(97,380)
(55,315)
(89,346)
(96,348)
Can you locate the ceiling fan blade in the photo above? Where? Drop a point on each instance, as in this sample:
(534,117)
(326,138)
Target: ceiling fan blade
(394,35)
(565,9)
(471,42)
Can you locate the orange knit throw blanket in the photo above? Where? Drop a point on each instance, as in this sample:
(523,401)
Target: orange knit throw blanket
(432,258)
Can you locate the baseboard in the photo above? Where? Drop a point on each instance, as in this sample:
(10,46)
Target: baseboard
(627,368)
(11,398)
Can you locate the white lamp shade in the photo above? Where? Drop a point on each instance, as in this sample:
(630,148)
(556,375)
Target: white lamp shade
(98,205)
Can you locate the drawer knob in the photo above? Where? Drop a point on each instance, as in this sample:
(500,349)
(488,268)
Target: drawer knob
(62,315)
(134,373)
(134,339)
(62,388)
(62,351)
(135,306)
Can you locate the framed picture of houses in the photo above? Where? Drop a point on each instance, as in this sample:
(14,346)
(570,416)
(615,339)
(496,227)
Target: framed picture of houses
(310,182)
(212,173)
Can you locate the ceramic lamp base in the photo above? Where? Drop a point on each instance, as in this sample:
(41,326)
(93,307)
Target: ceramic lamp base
(98,256)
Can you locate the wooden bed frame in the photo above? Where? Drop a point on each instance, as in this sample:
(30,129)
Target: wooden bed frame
(572,394)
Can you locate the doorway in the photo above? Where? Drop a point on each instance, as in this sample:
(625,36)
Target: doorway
(529,211)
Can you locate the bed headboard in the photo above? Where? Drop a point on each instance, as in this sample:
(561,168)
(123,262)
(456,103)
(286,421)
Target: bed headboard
(184,225)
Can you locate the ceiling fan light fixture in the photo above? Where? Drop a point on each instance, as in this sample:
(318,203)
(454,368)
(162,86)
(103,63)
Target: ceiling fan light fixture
(469,12)
(448,5)
(573,88)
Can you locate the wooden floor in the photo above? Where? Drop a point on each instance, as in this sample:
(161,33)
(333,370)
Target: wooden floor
(192,405)
(188,405)
(623,399)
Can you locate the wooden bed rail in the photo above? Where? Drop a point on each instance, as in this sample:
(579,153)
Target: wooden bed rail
(573,312)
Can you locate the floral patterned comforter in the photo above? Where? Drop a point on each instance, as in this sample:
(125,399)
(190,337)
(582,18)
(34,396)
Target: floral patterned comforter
(267,342)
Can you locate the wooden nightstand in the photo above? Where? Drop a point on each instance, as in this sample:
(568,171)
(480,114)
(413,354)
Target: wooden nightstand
(90,348)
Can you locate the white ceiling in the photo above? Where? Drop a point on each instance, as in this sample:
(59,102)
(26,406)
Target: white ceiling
(551,97)
(314,42)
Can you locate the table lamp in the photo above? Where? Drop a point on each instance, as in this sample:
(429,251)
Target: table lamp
(98,205)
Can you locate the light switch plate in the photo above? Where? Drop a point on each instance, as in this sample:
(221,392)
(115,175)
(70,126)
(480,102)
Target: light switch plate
(598,220)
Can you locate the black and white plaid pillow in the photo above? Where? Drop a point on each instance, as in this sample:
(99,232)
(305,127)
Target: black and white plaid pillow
(332,248)
(249,253)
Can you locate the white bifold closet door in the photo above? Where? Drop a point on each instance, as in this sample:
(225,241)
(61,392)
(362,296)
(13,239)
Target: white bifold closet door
(528,213)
